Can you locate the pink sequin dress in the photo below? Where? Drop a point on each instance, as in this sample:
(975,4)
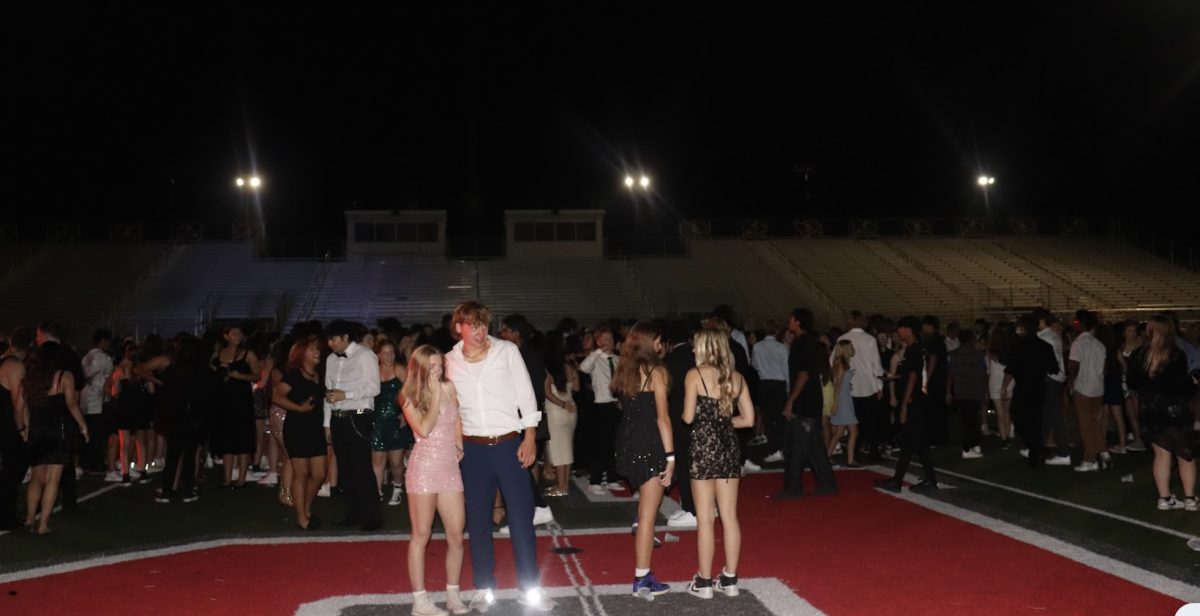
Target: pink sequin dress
(433,464)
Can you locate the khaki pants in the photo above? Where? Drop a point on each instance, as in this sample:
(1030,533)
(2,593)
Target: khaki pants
(1091,431)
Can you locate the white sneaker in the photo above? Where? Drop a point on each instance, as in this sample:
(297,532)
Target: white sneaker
(482,601)
(542,515)
(270,479)
(751,467)
(503,531)
(255,476)
(134,475)
(699,593)
(208,462)
(837,449)
(1134,446)
(1086,467)
(971,454)
(681,519)
(612,485)
(1024,453)
(112,477)
(324,491)
(536,600)
(1168,503)
(1058,461)
(424,606)
(597,488)
(773,458)
(397,497)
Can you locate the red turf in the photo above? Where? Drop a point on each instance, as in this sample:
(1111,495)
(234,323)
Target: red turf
(862,552)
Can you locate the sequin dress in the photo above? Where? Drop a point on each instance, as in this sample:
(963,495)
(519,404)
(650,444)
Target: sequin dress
(390,435)
(433,464)
(640,454)
(715,452)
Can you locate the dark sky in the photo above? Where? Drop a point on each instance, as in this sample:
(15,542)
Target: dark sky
(133,113)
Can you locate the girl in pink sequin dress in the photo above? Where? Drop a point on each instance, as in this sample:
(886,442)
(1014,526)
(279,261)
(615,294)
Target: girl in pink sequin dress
(434,482)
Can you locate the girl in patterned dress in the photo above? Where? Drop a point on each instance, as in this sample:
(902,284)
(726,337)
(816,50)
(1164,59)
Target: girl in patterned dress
(434,483)
(710,392)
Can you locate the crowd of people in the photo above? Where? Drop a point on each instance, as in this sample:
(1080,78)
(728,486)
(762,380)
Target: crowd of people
(481,430)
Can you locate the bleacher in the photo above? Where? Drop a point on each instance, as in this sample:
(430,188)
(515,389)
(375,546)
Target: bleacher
(75,284)
(148,287)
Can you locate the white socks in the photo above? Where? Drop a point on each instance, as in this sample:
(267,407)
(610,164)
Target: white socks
(640,572)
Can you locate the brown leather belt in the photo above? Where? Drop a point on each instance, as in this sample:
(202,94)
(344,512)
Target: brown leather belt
(491,440)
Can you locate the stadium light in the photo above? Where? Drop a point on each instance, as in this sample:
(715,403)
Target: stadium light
(645,182)
(255,182)
(629,181)
(240,182)
(986,180)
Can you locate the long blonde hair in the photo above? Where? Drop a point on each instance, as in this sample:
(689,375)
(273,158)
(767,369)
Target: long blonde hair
(417,389)
(711,346)
(842,352)
(1161,332)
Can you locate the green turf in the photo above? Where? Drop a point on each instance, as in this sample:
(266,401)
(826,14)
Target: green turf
(127,518)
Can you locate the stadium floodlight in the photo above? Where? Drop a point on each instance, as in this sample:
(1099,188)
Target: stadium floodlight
(629,181)
(644,182)
(240,182)
(986,180)
(255,182)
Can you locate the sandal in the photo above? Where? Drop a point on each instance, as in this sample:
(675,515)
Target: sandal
(554,492)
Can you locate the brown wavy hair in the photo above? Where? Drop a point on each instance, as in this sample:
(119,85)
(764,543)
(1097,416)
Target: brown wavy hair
(638,359)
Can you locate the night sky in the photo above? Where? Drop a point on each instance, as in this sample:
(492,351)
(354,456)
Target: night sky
(132,113)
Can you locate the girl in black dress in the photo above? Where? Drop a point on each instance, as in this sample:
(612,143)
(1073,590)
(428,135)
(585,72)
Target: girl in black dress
(300,393)
(711,391)
(644,441)
(47,401)
(1158,373)
(234,440)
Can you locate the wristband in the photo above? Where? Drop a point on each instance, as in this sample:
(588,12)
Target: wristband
(670,454)
(670,458)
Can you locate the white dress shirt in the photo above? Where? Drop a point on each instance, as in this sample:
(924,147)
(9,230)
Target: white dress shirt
(495,395)
(1055,341)
(356,374)
(1090,353)
(865,380)
(597,366)
(97,366)
(740,338)
(771,360)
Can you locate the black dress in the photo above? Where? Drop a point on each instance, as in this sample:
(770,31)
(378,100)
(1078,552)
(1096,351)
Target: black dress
(47,431)
(1166,418)
(715,451)
(235,428)
(304,433)
(640,454)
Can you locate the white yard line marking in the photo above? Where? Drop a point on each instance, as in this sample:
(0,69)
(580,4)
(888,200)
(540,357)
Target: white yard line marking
(1147,579)
(773,594)
(81,499)
(1056,501)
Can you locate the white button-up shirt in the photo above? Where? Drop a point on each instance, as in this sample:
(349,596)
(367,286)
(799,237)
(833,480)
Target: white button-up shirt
(867,368)
(97,366)
(596,365)
(1055,341)
(495,395)
(771,360)
(1090,353)
(356,374)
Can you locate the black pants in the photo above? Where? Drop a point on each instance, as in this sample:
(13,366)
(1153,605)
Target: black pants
(914,440)
(1027,419)
(806,449)
(606,418)
(181,458)
(352,446)
(68,496)
(937,417)
(682,435)
(968,411)
(773,395)
(14,458)
(873,423)
(96,449)
(1053,423)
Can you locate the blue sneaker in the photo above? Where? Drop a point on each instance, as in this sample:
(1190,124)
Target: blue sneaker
(648,587)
